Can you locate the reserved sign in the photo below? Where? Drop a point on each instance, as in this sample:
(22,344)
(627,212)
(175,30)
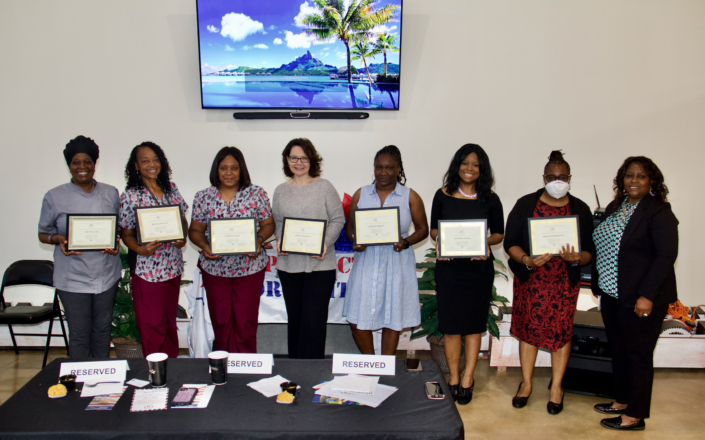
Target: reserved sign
(98,371)
(250,363)
(364,364)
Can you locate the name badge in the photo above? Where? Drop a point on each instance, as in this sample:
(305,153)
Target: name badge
(98,371)
(250,363)
(364,364)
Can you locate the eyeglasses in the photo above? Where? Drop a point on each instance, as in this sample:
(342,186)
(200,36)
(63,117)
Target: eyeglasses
(295,159)
(553,177)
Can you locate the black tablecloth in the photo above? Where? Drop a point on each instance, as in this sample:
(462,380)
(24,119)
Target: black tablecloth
(235,410)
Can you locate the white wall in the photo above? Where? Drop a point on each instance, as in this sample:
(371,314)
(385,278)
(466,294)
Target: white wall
(600,79)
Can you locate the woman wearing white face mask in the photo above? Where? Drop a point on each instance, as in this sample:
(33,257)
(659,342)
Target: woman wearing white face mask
(545,287)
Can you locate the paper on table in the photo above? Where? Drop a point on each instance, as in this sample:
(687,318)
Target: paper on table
(105,403)
(150,400)
(205,392)
(353,383)
(382,392)
(101,389)
(270,386)
(139,383)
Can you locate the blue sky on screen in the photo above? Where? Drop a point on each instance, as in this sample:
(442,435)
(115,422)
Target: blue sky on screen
(266,34)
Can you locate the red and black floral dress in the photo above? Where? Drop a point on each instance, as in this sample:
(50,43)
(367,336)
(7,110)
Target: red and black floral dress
(544,306)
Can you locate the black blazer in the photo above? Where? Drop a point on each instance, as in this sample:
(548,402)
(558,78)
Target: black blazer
(517,232)
(647,253)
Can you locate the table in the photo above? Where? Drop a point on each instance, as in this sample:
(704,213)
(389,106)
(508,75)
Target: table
(235,410)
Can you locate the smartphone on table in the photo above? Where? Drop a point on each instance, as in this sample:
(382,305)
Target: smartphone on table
(434,391)
(185,397)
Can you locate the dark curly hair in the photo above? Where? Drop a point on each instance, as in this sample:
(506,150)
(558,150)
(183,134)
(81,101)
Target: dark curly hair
(393,151)
(133,177)
(556,158)
(81,144)
(237,155)
(484,184)
(658,188)
(309,150)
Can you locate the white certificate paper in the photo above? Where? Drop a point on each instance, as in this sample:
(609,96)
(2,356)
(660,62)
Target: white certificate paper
(548,234)
(91,232)
(161,223)
(154,399)
(233,236)
(303,236)
(462,238)
(377,226)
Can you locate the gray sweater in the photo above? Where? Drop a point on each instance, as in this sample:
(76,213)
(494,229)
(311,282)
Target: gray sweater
(318,200)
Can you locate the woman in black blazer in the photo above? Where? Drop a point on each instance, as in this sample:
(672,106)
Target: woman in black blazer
(546,287)
(637,246)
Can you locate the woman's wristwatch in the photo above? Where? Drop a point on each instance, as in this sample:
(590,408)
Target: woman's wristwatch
(406,244)
(522,261)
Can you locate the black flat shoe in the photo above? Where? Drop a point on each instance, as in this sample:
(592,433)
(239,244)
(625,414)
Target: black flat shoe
(454,392)
(555,408)
(520,402)
(616,424)
(606,408)
(465,395)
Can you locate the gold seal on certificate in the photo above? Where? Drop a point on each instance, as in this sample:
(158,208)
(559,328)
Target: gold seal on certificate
(160,223)
(91,232)
(377,226)
(462,239)
(548,234)
(303,236)
(233,236)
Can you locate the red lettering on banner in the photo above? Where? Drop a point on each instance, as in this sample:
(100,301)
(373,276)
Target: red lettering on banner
(271,262)
(344,264)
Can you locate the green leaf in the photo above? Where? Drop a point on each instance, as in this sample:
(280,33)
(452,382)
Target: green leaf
(426,286)
(492,327)
(426,265)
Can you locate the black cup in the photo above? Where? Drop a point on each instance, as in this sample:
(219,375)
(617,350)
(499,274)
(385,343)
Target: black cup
(219,366)
(69,381)
(157,369)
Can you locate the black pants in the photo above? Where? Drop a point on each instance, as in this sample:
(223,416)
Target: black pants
(89,316)
(307,296)
(633,340)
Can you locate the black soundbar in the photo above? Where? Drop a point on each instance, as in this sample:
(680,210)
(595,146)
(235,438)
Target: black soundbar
(301,115)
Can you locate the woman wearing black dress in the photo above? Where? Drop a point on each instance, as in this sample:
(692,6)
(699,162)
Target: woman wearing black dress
(464,286)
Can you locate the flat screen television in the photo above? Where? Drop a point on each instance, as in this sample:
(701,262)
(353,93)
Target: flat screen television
(294,54)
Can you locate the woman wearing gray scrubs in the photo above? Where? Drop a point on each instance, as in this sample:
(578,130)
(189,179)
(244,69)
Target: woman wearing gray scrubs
(86,282)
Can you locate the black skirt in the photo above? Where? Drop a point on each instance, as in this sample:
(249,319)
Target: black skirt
(463,296)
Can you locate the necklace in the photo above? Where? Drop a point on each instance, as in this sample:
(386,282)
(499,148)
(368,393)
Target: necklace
(469,196)
(627,212)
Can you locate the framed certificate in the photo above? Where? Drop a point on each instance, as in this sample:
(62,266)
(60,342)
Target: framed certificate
(91,232)
(548,234)
(233,236)
(377,226)
(160,223)
(462,238)
(303,236)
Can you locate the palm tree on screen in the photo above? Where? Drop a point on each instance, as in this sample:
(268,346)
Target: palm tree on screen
(346,20)
(386,42)
(361,50)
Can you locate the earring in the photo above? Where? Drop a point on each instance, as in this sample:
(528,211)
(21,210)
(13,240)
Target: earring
(651,191)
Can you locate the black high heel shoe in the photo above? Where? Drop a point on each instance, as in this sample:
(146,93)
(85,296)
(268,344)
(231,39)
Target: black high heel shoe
(454,392)
(555,408)
(465,395)
(520,402)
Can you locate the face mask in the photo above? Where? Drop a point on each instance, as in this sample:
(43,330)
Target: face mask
(557,188)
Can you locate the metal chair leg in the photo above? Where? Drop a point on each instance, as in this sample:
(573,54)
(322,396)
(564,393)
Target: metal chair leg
(12,335)
(46,348)
(63,331)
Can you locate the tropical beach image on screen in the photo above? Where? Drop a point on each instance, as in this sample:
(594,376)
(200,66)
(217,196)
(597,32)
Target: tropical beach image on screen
(300,54)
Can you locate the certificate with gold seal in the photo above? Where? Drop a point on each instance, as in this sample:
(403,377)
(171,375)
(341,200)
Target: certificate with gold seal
(548,234)
(303,236)
(160,223)
(462,239)
(233,236)
(377,226)
(91,232)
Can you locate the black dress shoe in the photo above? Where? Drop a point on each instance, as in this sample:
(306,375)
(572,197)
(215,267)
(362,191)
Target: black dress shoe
(454,392)
(555,408)
(606,408)
(465,395)
(520,402)
(616,423)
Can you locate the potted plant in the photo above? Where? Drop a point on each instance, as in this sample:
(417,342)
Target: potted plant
(125,336)
(429,311)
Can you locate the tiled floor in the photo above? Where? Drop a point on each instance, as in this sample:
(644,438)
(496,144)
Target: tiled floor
(678,409)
